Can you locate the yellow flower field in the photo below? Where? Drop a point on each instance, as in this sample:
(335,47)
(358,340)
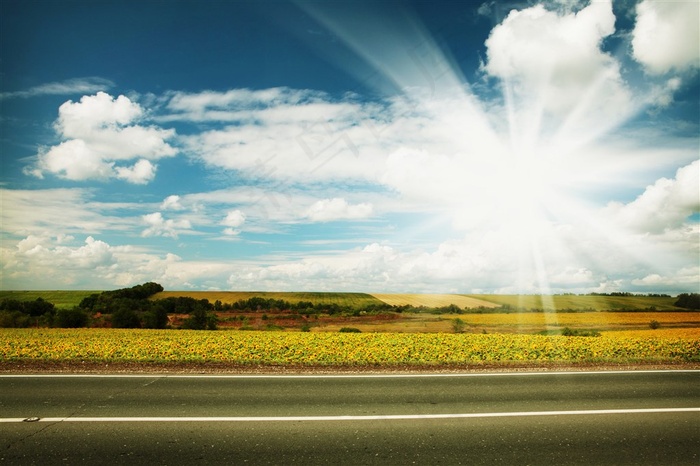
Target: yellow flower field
(584,318)
(333,349)
(687,333)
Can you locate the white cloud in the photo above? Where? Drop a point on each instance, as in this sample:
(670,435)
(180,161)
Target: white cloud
(159,226)
(553,65)
(313,140)
(172,203)
(78,119)
(73,160)
(39,260)
(70,86)
(665,205)
(328,210)
(666,35)
(233,221)
(686,277)
(235,104)
(100,133)
(35,212)
(142,172)
(43,262)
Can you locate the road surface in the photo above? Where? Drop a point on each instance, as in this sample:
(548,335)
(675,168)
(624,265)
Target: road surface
(643,417)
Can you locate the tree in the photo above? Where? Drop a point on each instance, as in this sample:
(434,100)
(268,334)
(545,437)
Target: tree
(688,301)
(157,317)
(125,317)
(39,307)
(71,318)
(200,319)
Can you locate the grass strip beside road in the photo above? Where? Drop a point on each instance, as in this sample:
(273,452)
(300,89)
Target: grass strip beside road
(301,349)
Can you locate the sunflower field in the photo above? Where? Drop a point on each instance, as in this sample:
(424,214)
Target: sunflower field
(332,349)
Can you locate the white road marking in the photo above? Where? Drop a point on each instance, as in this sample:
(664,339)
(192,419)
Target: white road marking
(356,418)
(345,376)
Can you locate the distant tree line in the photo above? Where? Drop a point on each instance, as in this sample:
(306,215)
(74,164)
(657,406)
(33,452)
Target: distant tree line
(688,301)
(627,293)
(259,304)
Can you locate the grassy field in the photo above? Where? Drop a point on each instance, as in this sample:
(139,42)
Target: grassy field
(342,299)
(332,349)
(595,303)
(433,300)
(61,298)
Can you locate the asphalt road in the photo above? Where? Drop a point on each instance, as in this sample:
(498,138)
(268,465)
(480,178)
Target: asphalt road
(537,418)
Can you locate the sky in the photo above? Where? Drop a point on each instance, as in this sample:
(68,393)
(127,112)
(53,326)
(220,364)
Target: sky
(364,146)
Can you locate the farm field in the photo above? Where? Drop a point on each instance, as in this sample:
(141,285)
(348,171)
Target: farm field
(229,297)
(434,300)
(106,346)
(591,302)
(61,298)
(518,322)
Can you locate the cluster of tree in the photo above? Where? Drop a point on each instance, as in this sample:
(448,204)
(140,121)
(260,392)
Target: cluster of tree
(35,308)
(132,308)
(109,302)
(18,314)
(15,313)
(259,304)
(688,301)
(627,293)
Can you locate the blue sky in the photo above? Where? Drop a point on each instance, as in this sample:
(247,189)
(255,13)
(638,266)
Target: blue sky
(387,146)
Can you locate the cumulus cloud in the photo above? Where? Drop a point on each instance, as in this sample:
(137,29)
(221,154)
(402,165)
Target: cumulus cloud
(666,35)
(555,62)
(171,203)
(100,135)
(160,226)
(233,221)
(685,277)
(328,210)
(142,172)
(665,205)
(45,260)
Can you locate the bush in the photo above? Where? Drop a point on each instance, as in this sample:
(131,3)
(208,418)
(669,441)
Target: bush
(567,332)
(350,330)
(458,325)
(71,318)
(200,319)
(13,319)
(654,324)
